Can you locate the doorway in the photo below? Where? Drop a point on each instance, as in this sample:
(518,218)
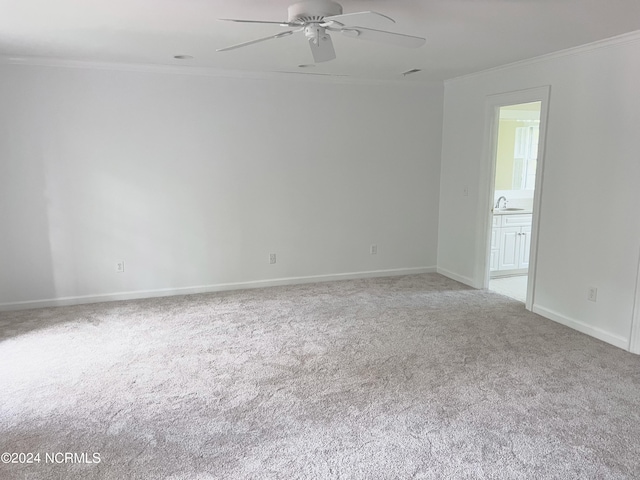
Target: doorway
(517,129)
(516,159)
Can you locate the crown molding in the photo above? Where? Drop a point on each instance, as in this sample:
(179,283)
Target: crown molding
(618,40)
(57,62)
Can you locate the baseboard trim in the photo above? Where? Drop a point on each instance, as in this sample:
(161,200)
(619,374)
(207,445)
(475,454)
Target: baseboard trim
(454,276)
(634,335)
(616,340)
(220,287)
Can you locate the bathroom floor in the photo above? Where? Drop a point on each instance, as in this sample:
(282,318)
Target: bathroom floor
(514,287)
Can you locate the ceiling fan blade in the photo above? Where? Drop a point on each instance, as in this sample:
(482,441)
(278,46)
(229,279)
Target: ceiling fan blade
(282,24)
(392,38)
(357,17)
(323,50)
(239,45)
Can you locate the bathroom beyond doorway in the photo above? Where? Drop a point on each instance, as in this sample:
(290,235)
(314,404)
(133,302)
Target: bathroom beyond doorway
(514,187)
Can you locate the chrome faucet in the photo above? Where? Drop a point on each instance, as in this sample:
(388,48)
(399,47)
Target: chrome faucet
(498,202)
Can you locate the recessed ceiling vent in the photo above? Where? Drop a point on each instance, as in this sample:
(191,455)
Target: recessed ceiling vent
(409,72)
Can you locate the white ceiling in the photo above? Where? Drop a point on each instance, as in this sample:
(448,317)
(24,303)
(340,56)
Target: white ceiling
(463,36)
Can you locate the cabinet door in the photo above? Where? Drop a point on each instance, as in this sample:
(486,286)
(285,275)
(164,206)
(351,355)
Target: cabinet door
(495,251)
(509,251)
(495,234)
(525,246)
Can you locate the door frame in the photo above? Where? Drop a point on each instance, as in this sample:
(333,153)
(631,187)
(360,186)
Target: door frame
(492,111)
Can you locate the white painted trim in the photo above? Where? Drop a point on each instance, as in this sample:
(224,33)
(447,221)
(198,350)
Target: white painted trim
(55,62)
(458,278)
(615,340)
(166,292)
(634,336)
(623,39)
(487,180)
(545,93)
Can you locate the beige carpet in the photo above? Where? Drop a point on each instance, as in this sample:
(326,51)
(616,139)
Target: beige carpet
(397,377)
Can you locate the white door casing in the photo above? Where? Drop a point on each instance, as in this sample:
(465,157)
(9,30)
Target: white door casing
(492,107)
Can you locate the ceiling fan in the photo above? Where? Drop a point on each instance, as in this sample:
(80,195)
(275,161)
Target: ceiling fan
(318,17)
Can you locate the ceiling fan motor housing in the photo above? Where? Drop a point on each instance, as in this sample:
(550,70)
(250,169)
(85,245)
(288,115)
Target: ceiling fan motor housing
(315,33)
(313,11)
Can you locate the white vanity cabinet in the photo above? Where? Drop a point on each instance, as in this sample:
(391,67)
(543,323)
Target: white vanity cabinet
(510,244)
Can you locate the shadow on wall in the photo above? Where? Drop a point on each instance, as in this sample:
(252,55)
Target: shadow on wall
(26,266)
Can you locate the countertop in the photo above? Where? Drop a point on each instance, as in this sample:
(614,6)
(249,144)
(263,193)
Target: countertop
(513,212)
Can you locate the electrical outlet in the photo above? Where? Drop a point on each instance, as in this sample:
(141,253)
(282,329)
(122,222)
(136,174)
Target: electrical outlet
(272,258)
(374,249)
(465,191)
(120,266)
(592,296)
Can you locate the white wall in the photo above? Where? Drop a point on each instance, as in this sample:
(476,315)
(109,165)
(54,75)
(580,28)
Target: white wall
(194,180)
(589,223)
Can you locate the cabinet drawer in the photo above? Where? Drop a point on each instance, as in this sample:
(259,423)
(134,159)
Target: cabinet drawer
(497,220)
(516,220)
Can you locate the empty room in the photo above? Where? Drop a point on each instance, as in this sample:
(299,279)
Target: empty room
(319,240)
